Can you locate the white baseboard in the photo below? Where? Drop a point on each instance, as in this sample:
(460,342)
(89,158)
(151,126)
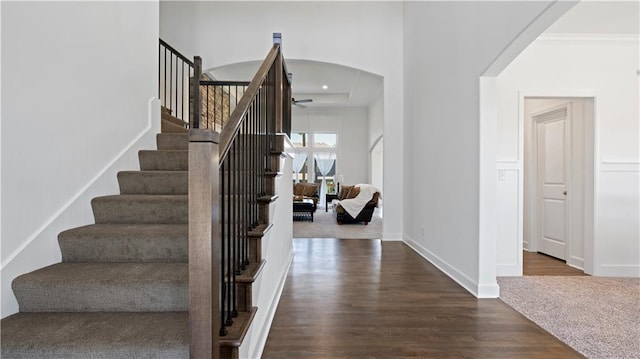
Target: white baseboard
(618,270)
(462,279)
(264,331)
(508,270)
(576,262)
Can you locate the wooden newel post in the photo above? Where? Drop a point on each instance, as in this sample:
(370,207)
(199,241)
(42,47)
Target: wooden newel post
(277,39)
(204,244)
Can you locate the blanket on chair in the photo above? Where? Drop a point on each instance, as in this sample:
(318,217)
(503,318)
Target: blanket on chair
(353,206)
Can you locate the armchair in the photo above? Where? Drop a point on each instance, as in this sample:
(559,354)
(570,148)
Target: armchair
(358,194)
(306,191)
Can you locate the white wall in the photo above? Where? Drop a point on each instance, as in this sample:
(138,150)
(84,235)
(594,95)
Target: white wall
(351,126)
(603,67)
(376,120)
(277,249)
(363,35)
(75,108)
(447,47)
(376,150)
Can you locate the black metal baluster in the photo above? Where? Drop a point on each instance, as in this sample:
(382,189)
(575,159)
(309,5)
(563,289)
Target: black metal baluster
(164,98)
(229,239)
(236,216)
(182,92)
(223,255)
(245,160)
(175,112)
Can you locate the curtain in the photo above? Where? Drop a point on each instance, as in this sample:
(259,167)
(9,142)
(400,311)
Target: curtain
(325,162)
(298,163)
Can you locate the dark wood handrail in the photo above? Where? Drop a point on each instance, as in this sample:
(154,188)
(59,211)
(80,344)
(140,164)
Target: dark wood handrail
(176,52)
(232,127)
(224,83)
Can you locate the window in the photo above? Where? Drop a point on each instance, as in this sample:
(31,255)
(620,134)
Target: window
(302,175)
(325,140)
(329,178)
(299,139)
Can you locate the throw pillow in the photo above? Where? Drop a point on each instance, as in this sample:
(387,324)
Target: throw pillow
(344,191)
(298,189)
(353,193)
(310,189)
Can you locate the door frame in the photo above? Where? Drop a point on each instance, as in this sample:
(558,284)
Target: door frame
(591,168)
(534,190)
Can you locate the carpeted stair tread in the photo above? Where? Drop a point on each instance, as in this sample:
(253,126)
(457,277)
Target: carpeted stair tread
(171,127)
(104,287)
(168,209)
(167,115)
(172,141)
(163,160)
(95,335)
(125,243)
(153,182)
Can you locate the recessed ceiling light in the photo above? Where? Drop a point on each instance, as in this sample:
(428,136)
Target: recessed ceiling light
(324,87)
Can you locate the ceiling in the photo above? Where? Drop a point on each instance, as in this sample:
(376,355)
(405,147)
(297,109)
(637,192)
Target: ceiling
(350,87)
(599,17)
(346,86)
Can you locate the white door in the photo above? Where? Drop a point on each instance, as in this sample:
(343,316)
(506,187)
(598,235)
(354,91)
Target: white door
(552,140)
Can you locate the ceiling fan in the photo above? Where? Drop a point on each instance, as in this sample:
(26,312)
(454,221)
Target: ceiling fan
(299,102)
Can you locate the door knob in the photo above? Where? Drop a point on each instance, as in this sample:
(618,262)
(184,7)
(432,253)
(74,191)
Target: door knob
(564,193)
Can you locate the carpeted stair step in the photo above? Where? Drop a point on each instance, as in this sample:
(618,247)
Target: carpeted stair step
(104,287)
(171,127)
(172,141)
(125,243)
(142,209)
(164,160)
(153,182)
(95,335)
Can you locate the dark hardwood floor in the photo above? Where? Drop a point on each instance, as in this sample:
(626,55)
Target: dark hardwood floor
(534,263)
(372,299)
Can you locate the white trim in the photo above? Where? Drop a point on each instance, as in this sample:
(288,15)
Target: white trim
(619,166)
(375,142)
(462,279)
(508,270)
(154,113)
(487,287)
(508,165)
(619,270)
(576,262)
(264,333)
(392,238)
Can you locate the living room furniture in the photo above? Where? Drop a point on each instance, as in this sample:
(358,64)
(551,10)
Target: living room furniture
(365,215)
(327,199)
(303,209)
(306,191)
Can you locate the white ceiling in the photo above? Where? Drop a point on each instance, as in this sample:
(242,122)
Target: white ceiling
(599,17)
(346,86)
(349,87)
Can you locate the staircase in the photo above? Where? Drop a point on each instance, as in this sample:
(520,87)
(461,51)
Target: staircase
(121,290)
(125,287)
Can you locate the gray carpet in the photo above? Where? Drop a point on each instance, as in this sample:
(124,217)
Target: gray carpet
(598,317)
(324,226)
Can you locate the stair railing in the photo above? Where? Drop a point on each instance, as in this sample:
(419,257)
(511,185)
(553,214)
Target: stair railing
(174,76)
(219,100)
(227,184)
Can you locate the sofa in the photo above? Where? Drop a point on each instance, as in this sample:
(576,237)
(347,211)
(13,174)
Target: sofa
(350,193)
(306,191)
